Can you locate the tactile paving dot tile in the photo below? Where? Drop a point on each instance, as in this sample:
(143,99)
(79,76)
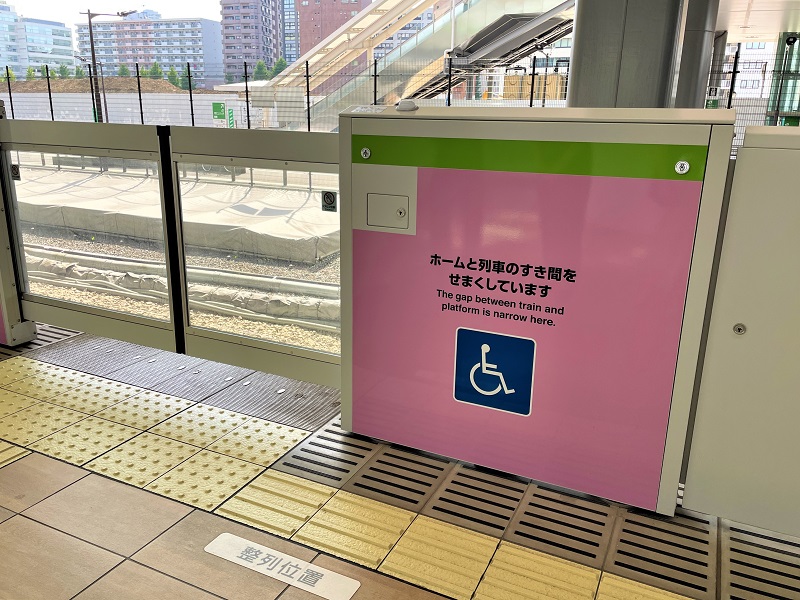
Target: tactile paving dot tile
(142,460)
(94,397)
(441,557)
(355,528)
(277,502)
(145,410)
(205,480)
(11,402)
(9,453)
(520,572)
(18,368)
(47,384)
(613,587)
(84,440)
(259,441)
(200,425)
(33,423)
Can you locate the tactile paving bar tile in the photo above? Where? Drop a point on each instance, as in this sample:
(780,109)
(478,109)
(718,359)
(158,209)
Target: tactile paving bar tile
(355,528)
(517,572)
(477,499)
(199,425)
(145,410)
(400,477)
(288,401)
(151,371)
(11,402)
(619,588)
(277,502)
(678,554)
(85,440)
(441,557)
(758,564)
(259,441)
(330,456)
(40,420)
(201,381)
(95,355)
(205,480)
(91,398)
(570,526)
(9,453)
(143,459)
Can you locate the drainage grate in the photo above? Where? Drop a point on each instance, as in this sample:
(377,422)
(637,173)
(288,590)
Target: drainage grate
(678,554)
(45,335)
(330,456)
(477,499)
(91,354)
(401,477)
(201,381)
(156,369)
(574,527)
(758,564)
(288,401)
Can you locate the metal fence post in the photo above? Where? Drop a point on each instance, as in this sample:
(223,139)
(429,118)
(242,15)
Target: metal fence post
(191,100)
(449,78)
(308,97)
(533,79)
(10,97)
(91,90)
(375,84)
(246,96)
(49,93)
(139,87)
(733,74)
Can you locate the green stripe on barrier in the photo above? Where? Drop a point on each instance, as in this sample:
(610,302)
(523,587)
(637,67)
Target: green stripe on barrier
(644,161)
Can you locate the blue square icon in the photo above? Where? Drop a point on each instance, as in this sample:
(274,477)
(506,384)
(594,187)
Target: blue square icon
(494,370)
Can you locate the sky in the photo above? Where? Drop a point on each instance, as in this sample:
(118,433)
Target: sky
(68,11)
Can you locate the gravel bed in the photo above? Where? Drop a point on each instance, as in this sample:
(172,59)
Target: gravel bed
(324,271)
(286,334)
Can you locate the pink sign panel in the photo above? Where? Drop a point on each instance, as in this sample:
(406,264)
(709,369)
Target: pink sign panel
(531,325)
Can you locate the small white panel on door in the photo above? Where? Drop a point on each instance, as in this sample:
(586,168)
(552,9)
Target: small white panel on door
(384,210)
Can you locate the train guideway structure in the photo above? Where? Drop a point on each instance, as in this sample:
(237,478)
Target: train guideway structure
(591,232)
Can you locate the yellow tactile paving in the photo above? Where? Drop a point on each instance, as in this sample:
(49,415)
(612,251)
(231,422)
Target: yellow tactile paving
(355,528)
(277,502)
(145,410)
(94,397)
(11,402)
(441,557)
(19,367)
(259,441)
(84,440)
(142,459)
(49,383)
(33,423)
(200,425)
(520,573)
(619,588)
(205,480)
(9,453)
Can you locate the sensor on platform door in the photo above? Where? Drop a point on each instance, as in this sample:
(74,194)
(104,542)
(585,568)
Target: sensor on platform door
(384,210)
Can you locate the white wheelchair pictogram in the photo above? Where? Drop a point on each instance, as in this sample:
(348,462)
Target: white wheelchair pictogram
(488,369)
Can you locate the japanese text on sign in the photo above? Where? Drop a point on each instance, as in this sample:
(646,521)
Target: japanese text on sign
(285,568)
(501,268)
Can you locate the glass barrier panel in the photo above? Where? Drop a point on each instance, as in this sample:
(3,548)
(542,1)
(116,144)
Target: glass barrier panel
(91,231)
(262,256)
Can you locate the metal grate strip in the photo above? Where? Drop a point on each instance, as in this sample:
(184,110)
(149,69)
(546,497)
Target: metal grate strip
(330,456)
(477,499)
(574,527)
(156,369)
(758,564)
(678,554)
(45,335)
(288,401)
(401,477)
(92,354)
(201,381)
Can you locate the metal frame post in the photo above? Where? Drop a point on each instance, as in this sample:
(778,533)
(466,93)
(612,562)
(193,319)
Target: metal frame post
(308,97)
(734,73)
(139,87)
(449,78)
(191,99)
(96,89)
(246,95)
(91,91)
(10,97)
(533,79)
(49,93)
(375,84)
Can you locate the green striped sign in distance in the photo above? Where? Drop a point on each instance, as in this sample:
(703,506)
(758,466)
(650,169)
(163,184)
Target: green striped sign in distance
(644,161)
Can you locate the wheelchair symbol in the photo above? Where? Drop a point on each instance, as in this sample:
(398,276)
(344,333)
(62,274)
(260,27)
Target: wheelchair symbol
(488,369)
